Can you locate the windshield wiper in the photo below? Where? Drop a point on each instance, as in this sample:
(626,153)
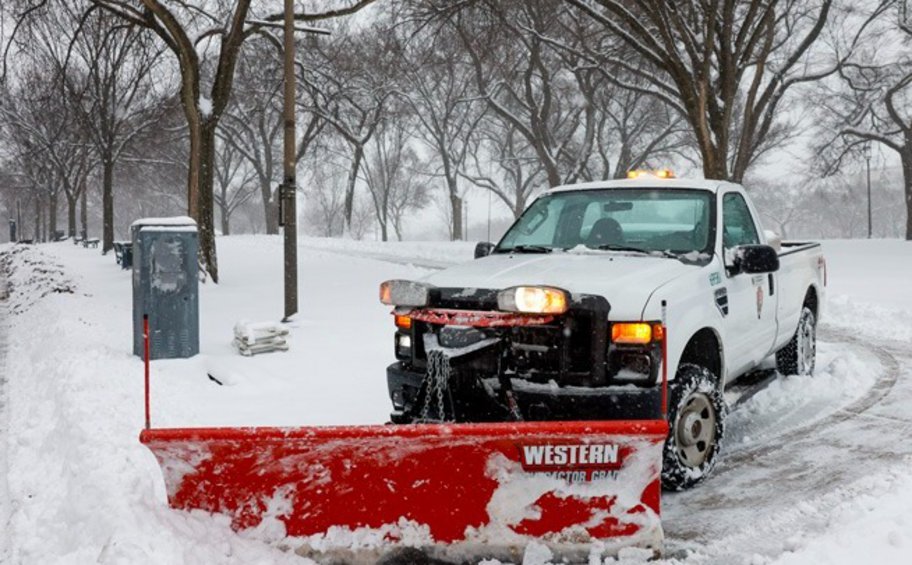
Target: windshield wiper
(526,249)
(618,247)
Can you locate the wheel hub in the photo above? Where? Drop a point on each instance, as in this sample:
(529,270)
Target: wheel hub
(695,429)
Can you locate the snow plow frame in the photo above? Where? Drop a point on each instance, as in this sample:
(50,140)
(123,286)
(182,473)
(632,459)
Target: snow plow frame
(451,491)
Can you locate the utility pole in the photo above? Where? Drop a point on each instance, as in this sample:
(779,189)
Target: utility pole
(867,156)
(288,209)
(288,192)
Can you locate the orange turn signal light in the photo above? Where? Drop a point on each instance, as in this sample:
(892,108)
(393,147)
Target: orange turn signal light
(631,332)
(403,322)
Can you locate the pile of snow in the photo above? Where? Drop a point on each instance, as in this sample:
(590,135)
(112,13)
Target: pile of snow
(843,375)
(82,488)
(30,277)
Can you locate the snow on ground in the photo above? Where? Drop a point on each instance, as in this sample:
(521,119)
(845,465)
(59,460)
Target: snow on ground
(84,490)
(843,375)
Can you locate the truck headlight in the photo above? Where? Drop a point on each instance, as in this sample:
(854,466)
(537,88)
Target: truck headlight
(404,293)
(533,300)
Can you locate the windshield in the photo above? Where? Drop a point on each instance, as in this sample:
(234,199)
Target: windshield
(660,221)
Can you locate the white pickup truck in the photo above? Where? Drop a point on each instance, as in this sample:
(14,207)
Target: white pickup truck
(562,320)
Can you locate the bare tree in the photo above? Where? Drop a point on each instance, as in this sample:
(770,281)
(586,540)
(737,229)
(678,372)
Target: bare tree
(253,122)
(52,147)
(501,161)
(870,104)
(725,66)
(526,81)
(389,173)
(436,81)
(349,86)
(234,181)
(194,35)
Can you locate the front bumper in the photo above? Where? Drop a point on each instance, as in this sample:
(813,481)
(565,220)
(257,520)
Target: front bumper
(542,402)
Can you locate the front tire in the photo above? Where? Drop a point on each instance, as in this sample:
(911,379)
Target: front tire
(696,419)
(800,355)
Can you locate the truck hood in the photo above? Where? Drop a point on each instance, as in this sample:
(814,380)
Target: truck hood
(626,281)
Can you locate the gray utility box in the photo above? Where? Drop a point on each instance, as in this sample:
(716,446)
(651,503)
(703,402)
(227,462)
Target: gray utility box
(166,286)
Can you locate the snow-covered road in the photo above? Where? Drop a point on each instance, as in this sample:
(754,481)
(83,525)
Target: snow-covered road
(816,471)
(774,497)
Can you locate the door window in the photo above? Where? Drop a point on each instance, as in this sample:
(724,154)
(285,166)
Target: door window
(737,224)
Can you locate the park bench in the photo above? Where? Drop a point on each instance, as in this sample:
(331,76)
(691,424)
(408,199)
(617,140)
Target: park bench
(123,254)
(90,242)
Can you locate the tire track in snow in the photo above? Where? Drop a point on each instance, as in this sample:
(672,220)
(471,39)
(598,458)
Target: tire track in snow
(764,497)
(881,388)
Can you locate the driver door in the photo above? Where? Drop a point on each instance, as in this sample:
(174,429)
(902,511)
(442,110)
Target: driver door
(752,311)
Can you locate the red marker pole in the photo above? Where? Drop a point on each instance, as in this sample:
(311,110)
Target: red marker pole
(146,359)
(664,361)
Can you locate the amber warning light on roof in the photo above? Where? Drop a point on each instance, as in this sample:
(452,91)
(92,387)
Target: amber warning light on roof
(659,174)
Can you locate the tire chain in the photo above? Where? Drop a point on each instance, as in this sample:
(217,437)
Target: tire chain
(437,379)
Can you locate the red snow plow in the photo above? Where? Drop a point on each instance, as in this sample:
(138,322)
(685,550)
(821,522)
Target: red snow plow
(455,492)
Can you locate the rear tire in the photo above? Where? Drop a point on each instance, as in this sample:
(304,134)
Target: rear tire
(799,356)
(696,419)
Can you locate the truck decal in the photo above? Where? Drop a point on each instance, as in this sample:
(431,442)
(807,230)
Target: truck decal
(759,302)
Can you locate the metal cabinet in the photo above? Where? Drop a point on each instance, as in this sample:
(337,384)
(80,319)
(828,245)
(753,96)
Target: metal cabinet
(166,286)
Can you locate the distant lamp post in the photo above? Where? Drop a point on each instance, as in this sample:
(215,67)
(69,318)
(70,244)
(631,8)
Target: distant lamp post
(867,156)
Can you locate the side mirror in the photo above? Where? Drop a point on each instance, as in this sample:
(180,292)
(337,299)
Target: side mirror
(483,249)
(754,259)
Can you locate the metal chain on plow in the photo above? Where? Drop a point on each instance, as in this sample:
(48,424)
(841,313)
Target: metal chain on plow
(437,380)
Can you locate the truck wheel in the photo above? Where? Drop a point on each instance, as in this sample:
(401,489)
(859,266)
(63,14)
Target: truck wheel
(696,416)
(798,357)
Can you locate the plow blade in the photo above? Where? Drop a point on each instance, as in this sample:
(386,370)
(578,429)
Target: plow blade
(453,491)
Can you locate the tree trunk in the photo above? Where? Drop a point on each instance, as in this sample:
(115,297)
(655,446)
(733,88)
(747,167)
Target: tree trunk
(107,204)
(714,163)
(83,212)
(225,216)
(906,159)
(52,217)
(205,203)
(269,207)
(350,187)
(37,235)
(72,200)
(455,209)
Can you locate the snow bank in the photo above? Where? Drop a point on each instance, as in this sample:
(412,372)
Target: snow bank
(30,277)
(843,375)
(82,488)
